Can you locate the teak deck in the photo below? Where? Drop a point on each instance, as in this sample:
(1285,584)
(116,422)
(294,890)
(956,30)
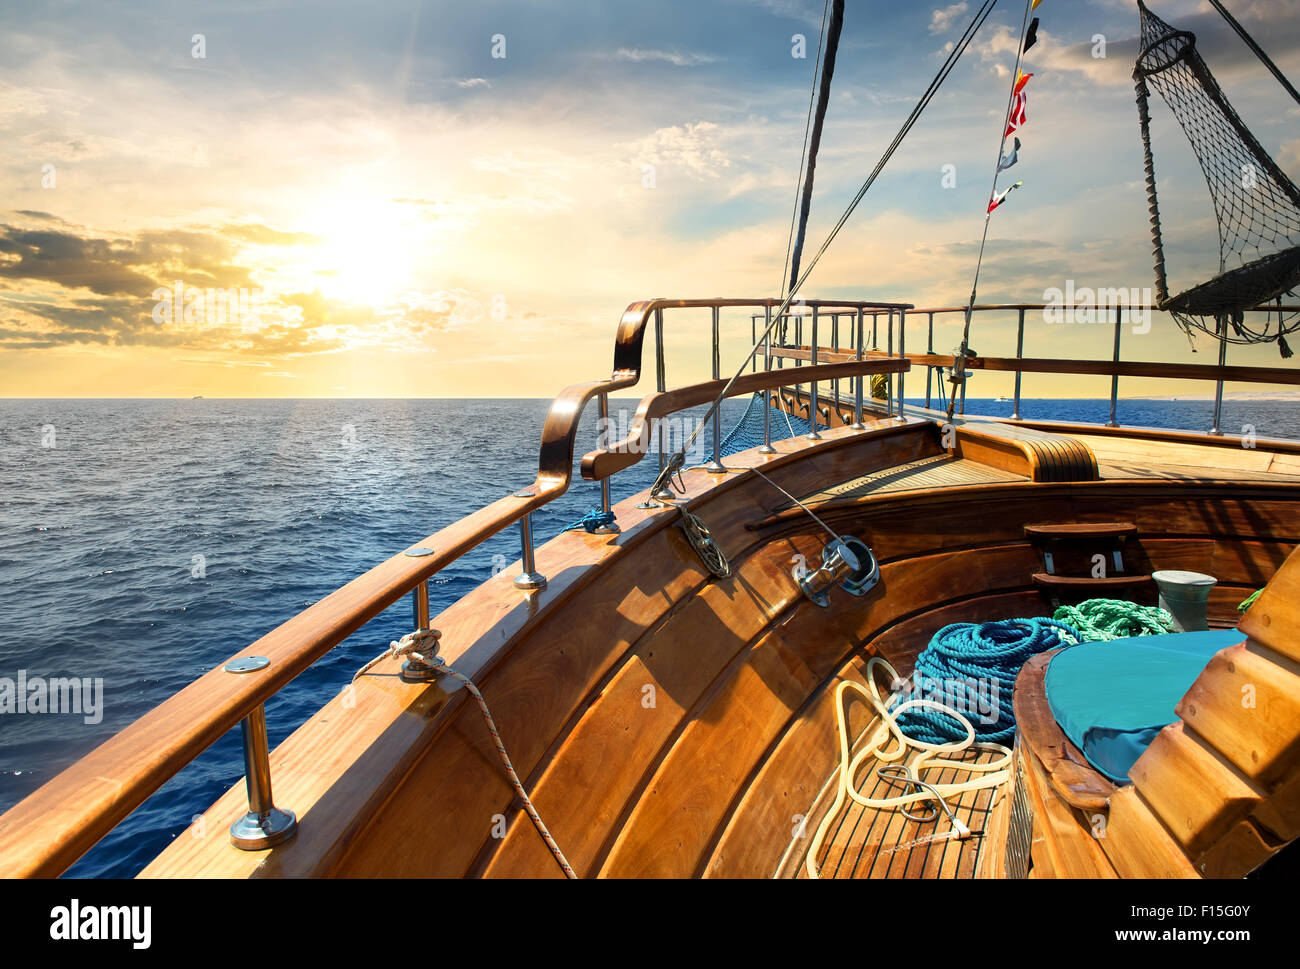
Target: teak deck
(668,723)
(740,737)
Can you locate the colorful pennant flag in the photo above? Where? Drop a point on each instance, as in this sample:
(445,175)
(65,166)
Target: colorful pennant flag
(1036,3)
(1008,160)
(1021,80)
(1002,196)
(1031,35)
(1019,113)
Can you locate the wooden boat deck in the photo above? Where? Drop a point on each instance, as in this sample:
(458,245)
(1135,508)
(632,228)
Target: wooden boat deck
(938,471)
(867,842)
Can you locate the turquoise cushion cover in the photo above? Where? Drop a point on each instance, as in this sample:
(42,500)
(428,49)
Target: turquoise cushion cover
(1112,698)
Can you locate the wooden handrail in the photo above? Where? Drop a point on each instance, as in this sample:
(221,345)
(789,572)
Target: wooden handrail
(46,832)
(50,829)
(604,462)
(995,307)
(1109,368)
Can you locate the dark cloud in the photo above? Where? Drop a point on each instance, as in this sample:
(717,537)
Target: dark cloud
(100,265)
(107,286)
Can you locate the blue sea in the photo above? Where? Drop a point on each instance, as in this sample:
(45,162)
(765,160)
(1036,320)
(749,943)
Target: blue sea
(146,541)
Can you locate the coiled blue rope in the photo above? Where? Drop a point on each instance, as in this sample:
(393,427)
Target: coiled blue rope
(972,668)
(592,520)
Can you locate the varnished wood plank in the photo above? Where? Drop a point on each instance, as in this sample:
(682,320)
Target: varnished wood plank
(1280,813)
(1196,793)
(1274,619)
(1248,709)
(1243,849)
(1067,843)
(1136,842)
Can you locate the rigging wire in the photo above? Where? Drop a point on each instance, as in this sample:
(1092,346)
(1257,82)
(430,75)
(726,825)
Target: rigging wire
(815,140)
(1259,51)
(959,366)
(675,463)
(803,152)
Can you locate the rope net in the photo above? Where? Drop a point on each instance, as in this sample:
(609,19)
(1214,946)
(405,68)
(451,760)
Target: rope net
(748,431)
(1256,205)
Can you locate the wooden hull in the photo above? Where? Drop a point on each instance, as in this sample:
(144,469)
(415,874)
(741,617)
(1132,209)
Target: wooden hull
(669,724)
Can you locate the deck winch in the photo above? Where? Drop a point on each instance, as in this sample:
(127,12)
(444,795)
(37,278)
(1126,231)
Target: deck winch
(846,561)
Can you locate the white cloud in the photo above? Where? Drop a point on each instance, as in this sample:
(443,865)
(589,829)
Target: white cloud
(473,82)
(690,146)
(676,58)
(941,20)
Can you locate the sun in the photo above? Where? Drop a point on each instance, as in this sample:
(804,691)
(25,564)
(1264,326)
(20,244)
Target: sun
(368,248)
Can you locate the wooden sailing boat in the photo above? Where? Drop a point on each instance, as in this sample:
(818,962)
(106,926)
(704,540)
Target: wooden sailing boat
(667,689)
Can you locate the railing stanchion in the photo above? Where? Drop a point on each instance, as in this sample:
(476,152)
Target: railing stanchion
(1020,353)
(1114,378)
(420,606)
(902,355)
(889,351)
(606,503)
(1217,429)
(715,466)
(661,384)
(767,400)
(264,825)
(835,347)
(857,394)
(812,388)
(529,579)
(929,370)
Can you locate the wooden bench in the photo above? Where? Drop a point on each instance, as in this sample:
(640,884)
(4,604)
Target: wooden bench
(1215,795)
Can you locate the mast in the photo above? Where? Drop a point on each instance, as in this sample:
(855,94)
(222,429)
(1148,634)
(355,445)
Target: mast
(823,99)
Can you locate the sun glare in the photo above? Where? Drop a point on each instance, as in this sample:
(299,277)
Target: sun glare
(367,252)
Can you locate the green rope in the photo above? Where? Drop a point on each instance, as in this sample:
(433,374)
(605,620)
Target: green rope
(1107,619)
(1249,602)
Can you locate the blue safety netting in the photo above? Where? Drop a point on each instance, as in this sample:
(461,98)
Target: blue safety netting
(748,431)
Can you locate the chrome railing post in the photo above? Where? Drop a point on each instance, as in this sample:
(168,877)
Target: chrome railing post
(835,348)
(606,503)
(264,825)
(1217,429)
(902,355)
(875,344)
(857,395)
(715,466)
(929,370)
(1114,378)
(812,389)
(889,351)
(767,399)
(660,379)
(420,606)
(529,579)
(1020,353)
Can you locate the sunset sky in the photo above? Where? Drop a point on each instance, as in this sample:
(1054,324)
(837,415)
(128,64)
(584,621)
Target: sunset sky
(421,218)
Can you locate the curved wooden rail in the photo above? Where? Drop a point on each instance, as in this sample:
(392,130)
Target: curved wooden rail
(51,828)
(1106,368)
(607,461)
(46,832)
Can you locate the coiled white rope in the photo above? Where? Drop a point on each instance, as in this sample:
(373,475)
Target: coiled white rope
(415,644)
(887,729)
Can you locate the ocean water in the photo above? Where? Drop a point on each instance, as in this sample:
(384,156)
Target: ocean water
(145,541)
